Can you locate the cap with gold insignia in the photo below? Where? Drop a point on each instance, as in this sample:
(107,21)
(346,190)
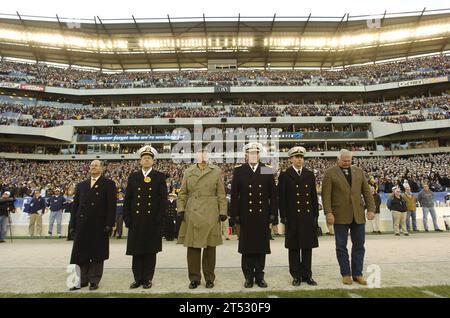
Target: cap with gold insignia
(253,146)
(147,150)
(296,151)
(172,194)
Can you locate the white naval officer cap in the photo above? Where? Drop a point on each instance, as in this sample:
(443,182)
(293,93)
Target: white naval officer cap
(253,146)
(147,150)
(295,151)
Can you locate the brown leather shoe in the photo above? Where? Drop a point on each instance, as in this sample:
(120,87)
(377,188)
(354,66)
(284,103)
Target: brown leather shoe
(360,280)
(347,280)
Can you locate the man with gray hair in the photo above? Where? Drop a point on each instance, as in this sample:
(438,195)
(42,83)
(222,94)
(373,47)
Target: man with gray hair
(342,188)
(92,218)
(426,199)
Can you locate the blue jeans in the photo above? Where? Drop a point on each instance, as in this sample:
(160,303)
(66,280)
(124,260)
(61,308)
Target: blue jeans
(3,226)
(411,216)
(433,217)
(55,215)
(357,234)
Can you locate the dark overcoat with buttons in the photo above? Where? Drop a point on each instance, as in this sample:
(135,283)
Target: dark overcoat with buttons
(93,209)
(144,209)
(299,205)
(254,200)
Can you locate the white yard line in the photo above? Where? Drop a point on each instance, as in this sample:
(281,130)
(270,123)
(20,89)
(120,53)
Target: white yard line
(430,293)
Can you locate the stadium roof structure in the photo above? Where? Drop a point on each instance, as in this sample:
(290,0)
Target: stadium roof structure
(251,42)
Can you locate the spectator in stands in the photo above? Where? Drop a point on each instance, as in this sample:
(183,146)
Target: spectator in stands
(376,220)
(37,209)
(411,206)
(397,205)
(56,204)
(6,207)
(119,216)
(426,200)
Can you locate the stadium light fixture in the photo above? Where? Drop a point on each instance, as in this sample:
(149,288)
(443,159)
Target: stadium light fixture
(357,40)
(59,40)
(155,44)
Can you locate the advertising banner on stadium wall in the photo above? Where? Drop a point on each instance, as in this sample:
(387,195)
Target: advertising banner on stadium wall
(9,85)
(122,138)
(31,87)
(222,89)
(410,83)
(441,79)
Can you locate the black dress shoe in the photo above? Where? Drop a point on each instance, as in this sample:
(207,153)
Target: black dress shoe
(209,284)
(248,283)
(194,284)
(93,286)
(310,281)
(147,285)
(262,283)
(438,230)
(296,282)
(76,287)
(135,285)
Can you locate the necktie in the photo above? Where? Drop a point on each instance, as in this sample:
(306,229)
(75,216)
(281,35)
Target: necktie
(93,180)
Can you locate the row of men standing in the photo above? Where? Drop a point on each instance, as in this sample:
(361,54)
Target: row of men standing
(201,206)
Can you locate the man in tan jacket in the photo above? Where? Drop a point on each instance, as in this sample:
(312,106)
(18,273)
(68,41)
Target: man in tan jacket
(411,206)
(343,187)
(202,206)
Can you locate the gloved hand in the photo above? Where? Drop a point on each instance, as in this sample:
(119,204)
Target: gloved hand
(72,232)
(283,220)
(237,220)
(272,219)
(223,218)
(180,216)
(107,230)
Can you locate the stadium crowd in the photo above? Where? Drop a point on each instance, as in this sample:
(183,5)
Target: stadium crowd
(413,68)
(398,111)
(20,177)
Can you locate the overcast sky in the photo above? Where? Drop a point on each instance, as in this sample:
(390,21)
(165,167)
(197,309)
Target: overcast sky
(186,8)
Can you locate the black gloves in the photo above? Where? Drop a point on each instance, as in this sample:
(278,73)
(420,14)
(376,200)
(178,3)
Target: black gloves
(72,232)
(107,230)
(273,219)
(283,220)
(180,216)
(223,218)
(237,220)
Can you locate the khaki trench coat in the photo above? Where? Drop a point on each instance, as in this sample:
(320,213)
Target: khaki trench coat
(202,199)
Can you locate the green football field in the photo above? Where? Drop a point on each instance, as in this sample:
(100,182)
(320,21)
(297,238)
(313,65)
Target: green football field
(442,291)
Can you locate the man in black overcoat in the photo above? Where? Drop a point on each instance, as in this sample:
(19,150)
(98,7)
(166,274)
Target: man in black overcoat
(92,218)
(144,209)
(299,211)
(254,206)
